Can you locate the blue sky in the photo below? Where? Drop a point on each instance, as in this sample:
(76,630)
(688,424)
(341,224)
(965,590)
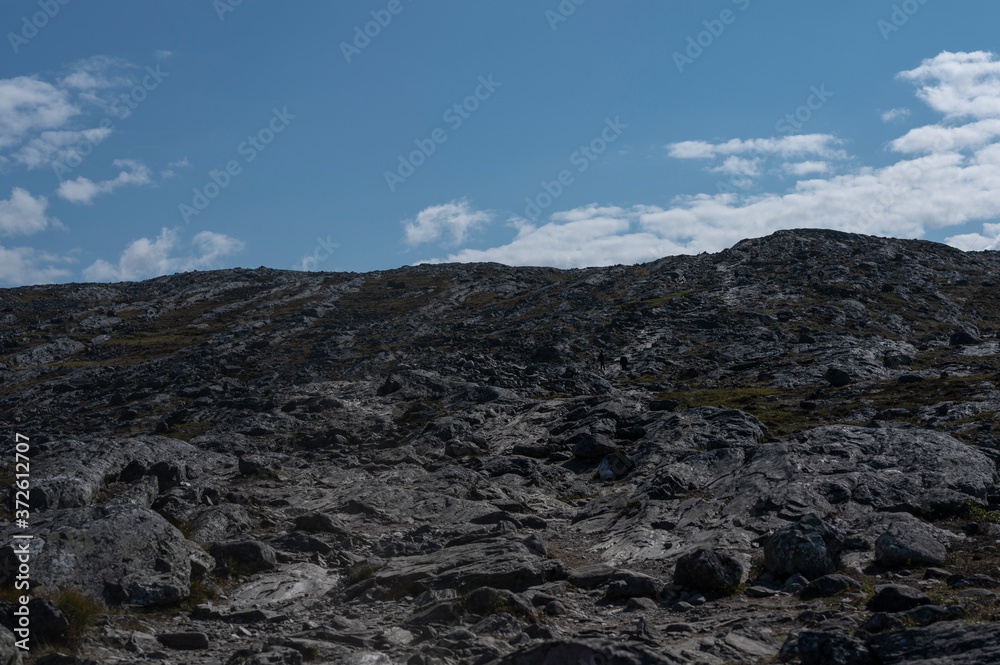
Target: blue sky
(139,139)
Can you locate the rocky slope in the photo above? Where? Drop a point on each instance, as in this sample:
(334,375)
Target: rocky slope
(429,465)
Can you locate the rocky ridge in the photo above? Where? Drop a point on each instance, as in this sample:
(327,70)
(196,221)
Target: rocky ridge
(429,465)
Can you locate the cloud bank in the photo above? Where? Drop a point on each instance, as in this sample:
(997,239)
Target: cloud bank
(947,174)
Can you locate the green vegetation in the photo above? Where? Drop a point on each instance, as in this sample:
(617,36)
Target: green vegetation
(359,572)
(80,610)
(979,514)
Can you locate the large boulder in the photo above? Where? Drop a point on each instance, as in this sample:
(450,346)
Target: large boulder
(897,598)
(9,653)
(498,564)
(810,547)
(117,552)
(899,547)
(708,571)
(952,642)
(245,556)
(584,651)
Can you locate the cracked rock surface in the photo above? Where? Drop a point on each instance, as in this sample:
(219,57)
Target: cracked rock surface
(430,465)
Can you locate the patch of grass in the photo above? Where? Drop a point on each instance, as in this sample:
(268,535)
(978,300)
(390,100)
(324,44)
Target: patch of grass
(360,571)
(81,610)
(626,509)
(200,593)
(979,514)
(187,431)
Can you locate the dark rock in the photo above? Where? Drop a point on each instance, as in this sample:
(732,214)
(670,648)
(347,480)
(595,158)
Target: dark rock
(10,654)
(486,600)
(300,542)
(950,642)
(614,466)
(48,623)
(245,556)
(567,651)
(827,648)
(316,522)
(897,598)
(810,547)
(593,447)
(899,547)
(591,576)
(963,338)
(829,585)
(184,641)
(258,465)
(625,584)
(837,377)
(708,571)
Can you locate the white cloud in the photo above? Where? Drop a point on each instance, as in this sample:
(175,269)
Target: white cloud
(20,266)
(98,72)
(938,138)
(162,54)
(83,190)
(798,145)
(145,258)
(805,168)
(58,146)
(977,242)
(454,219)
(738,166)
(959,85)
(24,214)
(588,236)
(42,122)
(895,114)
(28,105)
(949,176)
(179,164)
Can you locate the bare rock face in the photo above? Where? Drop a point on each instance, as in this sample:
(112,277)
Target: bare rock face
(432,465)
(809,547)
(899,547)
(708,571)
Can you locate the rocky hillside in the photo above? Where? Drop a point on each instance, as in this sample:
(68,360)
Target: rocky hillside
(796,461)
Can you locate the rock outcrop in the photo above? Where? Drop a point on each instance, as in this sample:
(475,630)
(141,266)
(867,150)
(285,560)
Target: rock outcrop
(429,465)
